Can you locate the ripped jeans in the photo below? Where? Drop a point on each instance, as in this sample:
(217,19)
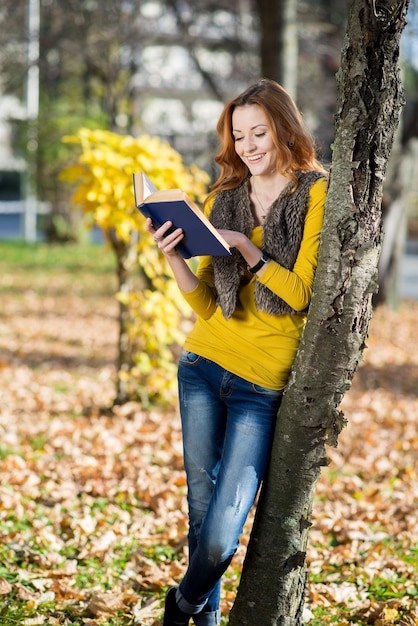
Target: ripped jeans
(228,426)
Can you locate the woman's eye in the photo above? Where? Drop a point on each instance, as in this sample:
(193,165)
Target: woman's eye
(260,134)
(238,138)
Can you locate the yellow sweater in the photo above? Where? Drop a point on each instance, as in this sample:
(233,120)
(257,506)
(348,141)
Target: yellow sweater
(252,344)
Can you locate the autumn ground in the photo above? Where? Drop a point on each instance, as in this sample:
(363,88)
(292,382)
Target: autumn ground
(92,511)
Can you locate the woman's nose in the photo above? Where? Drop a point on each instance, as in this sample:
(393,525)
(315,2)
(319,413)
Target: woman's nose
(249,144)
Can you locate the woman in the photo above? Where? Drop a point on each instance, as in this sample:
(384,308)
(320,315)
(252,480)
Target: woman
(251,309)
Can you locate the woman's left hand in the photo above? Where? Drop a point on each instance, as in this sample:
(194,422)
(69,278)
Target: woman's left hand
(234,238)
(249,251)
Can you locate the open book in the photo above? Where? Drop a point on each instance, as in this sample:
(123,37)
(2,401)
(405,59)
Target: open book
(200,237)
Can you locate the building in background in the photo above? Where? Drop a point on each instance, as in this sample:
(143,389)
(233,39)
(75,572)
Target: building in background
(12,171)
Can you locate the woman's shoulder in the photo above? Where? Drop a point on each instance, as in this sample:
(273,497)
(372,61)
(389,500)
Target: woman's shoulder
(317,195)
(312,175)
(320,184)
(315,181)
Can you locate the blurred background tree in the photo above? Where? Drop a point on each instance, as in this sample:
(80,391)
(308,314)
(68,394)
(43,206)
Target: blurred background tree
(152,311)
(165,68)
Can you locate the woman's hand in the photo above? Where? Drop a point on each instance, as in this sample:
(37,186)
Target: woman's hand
(234,238)
(167,242)
(249,251)
(164,238)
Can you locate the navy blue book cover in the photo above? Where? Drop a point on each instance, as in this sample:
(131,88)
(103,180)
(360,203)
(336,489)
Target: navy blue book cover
(200,237)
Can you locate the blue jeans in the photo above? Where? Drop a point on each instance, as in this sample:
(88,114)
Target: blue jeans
(228,426)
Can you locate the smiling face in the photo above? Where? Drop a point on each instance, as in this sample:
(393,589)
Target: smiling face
(254,139)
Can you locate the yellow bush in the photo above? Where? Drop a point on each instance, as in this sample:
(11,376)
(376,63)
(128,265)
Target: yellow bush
(103,179)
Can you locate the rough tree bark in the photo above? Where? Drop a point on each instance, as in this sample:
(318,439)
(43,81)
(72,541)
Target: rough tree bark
(370,98)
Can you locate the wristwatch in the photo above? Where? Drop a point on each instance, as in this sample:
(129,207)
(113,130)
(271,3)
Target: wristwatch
(264,259)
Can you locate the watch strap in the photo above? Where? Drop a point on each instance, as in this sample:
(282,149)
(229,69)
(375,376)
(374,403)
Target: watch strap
(264,259)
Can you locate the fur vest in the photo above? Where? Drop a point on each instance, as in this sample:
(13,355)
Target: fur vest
(282,236)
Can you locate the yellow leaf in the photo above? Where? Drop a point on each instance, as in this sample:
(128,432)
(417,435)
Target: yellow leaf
(390,614)
(102,175)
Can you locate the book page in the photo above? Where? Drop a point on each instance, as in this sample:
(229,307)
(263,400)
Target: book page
(148,187)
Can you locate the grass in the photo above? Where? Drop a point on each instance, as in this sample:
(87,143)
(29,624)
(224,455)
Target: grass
(41,257)
(27,274)
(48,269)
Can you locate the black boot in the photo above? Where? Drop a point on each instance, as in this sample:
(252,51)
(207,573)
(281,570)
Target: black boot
(172,614)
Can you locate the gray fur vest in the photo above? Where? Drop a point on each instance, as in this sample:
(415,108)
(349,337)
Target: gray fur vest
(282,236)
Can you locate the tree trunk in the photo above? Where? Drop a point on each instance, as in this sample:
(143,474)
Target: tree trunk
(128,273)
(123,254)
(369,103)
(279,42)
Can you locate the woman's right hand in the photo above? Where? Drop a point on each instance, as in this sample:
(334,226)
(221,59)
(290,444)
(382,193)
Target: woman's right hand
(167,243)
(165,240)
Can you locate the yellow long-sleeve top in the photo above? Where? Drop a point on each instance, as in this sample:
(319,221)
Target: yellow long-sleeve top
(252,344)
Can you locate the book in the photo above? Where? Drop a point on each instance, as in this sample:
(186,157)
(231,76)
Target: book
(200,237)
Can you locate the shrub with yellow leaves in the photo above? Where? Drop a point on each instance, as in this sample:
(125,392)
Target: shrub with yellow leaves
(152,312)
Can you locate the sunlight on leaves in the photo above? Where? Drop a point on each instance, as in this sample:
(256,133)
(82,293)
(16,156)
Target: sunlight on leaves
(93,503)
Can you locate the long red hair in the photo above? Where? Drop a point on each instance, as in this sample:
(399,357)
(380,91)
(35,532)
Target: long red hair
(294,143)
